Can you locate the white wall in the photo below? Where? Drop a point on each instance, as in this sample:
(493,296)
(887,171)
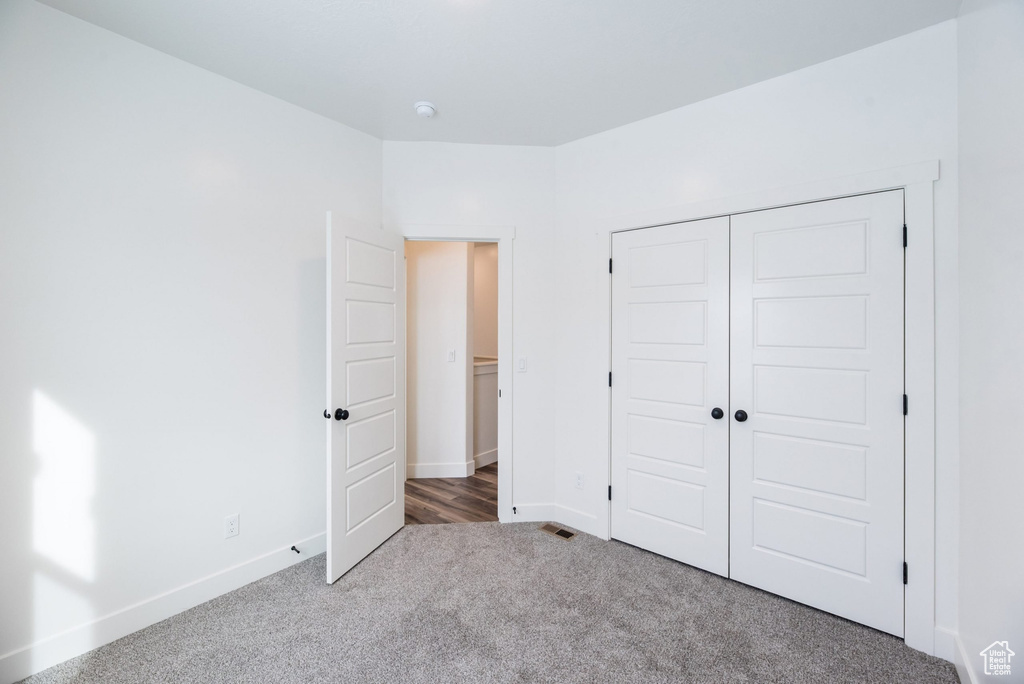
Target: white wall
(485,299)
(991,59)
(485,413)
(886,106)
(439,425)
(162,332)
(161,291)
(486,185)
(485,343)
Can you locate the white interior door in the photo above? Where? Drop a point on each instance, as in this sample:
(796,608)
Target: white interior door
(670,371)
(365,392)
(817,365)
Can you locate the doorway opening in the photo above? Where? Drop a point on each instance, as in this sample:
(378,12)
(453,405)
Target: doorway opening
(452,382)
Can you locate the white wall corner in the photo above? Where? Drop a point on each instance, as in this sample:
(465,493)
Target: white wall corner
(486,458)
(46,653)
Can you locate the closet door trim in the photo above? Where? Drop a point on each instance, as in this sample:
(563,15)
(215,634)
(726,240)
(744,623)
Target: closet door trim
(917,180)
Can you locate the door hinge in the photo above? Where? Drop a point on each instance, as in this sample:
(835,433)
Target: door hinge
(906,404)
(609,378)
(499,394)
(904,236)
(609,265)
(905,572)
(609,492)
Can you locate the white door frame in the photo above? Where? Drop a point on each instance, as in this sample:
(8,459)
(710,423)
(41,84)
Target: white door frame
(919,370)
(503,235)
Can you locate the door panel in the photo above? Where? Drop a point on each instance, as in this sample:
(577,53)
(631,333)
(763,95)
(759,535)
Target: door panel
(670,356)
(366,377)
(817,363)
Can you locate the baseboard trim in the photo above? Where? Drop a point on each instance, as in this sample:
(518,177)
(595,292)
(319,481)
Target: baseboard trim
(962,662)
(563,515)
(46,653)
(486,458)
(578,520)
(533,512)
(414,471)
(945,644)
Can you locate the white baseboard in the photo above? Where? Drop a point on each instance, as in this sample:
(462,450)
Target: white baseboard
(578,520)
(563,515)
(415,471)
(533,512)
(486,458)
(962,660)
(945,644)
(45,653)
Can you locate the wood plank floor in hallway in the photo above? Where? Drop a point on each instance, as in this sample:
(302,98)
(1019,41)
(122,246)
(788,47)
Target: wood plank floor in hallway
(433,501)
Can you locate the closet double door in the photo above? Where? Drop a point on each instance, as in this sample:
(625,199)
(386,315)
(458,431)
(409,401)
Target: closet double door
(757,400)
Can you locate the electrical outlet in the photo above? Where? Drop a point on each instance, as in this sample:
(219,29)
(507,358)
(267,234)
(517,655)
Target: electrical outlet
(579,480)
(451,356)
(231,526)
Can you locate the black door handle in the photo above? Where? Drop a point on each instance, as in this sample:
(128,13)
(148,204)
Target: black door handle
(341,414)
(741,415)
(717,413)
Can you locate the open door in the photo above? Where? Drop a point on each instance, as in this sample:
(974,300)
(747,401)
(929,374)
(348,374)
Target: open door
(365,392)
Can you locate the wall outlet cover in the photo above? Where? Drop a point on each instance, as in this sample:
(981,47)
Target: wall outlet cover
(231,526)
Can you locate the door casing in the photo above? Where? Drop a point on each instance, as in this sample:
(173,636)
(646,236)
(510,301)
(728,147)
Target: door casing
(503,236)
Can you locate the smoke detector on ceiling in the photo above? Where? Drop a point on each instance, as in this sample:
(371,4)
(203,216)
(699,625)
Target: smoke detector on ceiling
(425,110)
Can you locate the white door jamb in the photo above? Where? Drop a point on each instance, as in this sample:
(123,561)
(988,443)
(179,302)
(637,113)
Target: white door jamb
(504,236)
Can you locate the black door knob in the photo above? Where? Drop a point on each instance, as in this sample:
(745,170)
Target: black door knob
(327,414)
(341,414)
(741,415)
(717,413)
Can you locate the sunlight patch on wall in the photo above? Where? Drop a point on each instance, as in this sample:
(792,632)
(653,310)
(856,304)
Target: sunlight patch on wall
(63,530)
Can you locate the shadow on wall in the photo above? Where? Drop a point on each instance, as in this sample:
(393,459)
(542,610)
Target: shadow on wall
(311,388)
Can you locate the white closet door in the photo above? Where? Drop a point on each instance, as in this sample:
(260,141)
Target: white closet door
(670,365)
(817,364)
(365,391)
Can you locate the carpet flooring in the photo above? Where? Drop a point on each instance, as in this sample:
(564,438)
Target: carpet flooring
(486,602)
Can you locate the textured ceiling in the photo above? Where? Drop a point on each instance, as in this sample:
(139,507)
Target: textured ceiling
(521,72)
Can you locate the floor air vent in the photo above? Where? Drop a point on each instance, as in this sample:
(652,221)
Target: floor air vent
(557,531)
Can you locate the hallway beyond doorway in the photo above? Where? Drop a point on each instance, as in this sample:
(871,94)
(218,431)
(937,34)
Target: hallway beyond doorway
(431,501)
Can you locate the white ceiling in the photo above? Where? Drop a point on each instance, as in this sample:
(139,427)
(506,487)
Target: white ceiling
(519,72)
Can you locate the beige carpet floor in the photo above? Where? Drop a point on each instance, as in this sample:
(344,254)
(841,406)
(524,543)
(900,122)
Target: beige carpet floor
(486,602)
